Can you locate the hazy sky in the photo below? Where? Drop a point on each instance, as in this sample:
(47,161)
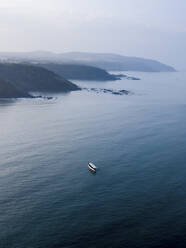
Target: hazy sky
(148,28)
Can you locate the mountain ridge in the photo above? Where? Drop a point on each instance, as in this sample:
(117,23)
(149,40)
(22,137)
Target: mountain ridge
(107,61)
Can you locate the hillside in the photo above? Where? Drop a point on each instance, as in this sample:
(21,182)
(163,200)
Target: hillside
(80,72)
(106,61)
(33,78)
(8,90)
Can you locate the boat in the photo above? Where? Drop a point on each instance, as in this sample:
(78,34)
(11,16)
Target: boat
(92,167)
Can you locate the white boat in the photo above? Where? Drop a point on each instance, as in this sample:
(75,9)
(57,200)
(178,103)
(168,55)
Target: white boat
(92,167)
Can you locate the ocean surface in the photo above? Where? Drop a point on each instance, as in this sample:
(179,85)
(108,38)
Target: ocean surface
(137,198)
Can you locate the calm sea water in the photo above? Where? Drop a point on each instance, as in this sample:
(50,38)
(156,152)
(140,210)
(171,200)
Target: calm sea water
(48,198)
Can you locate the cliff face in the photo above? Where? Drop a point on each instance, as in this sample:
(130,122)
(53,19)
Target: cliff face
(80,72)
(8,90)
(33,78)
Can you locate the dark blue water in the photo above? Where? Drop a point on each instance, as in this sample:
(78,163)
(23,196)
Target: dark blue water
(48,198)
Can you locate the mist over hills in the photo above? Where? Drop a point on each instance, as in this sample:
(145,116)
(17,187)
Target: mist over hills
(107,61)
(42,71)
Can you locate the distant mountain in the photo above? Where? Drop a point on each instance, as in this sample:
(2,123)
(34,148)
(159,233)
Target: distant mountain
(107,61)
(116,62)
(80,72)
(8,90)
(30,78)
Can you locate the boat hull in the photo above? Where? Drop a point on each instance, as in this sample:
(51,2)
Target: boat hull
(92,169)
